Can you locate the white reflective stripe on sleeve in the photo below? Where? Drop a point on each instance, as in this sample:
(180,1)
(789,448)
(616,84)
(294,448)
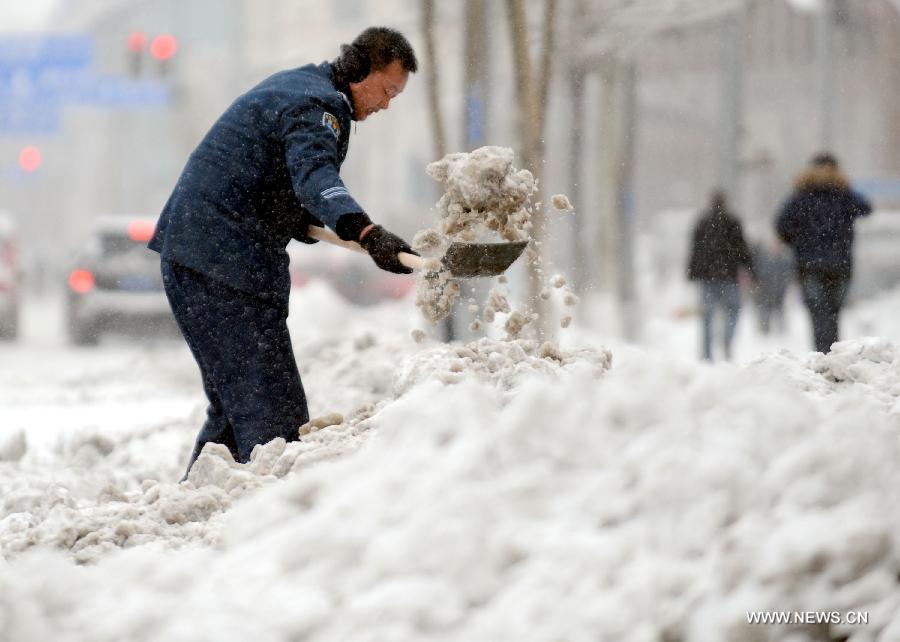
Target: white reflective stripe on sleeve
(331,192)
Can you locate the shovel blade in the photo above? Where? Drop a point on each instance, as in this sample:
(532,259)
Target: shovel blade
(481,259)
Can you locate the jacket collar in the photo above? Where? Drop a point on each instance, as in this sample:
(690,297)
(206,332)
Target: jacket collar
(822,178)
(341,85)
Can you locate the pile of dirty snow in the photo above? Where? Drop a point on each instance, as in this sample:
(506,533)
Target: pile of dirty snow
(524,492)
(98,498)
(485,199)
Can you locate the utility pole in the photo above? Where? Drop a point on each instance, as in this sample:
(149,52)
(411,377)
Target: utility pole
(825,72)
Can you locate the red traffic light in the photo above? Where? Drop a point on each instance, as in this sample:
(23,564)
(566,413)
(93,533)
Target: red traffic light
(163,47)
(137,41)
(30,158)
(81,280)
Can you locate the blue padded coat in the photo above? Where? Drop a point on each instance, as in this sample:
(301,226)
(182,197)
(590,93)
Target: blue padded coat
(267,168)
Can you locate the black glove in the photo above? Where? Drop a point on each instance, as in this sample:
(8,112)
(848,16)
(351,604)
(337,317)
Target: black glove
(383,247)
(300,226)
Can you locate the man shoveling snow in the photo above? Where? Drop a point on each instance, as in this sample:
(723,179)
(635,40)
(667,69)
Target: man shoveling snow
(266,171)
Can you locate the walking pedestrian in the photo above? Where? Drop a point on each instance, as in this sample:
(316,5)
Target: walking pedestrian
(718,252)
(817,221)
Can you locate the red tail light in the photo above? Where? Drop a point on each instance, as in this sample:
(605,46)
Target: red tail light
(81,281)
(141,231)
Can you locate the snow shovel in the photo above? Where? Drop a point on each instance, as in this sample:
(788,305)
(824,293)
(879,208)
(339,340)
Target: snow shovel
(464,260)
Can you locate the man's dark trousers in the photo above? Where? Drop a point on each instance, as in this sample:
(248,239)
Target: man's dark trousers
(243,348)
(824,293)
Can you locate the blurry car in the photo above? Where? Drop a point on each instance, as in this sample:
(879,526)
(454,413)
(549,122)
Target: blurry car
(352,275)
(10,277)
(115,283)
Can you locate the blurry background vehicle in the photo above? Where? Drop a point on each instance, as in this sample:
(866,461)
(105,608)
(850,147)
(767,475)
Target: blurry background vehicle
(350,274)
(115,282)
(10,277)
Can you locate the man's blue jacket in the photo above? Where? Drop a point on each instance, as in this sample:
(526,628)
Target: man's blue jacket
(270,162)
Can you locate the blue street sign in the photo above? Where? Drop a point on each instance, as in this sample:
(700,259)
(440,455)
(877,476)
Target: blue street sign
(40,75)
(119,91)
(65,51)
(83,88)
(28,118)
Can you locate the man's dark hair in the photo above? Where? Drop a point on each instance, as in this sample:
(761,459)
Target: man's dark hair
(824,158)
(718,201)
(373,50)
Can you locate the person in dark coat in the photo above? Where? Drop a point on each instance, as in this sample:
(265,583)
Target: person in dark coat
(267,169)
(817,221)
(718,252)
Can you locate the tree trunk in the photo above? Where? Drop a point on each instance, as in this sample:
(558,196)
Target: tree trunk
(546,69)
(577,78)
(616,240)
(606,229)
(580,255)
(439,140)
(892,95)
(627,290)
(432,80)
(530,113)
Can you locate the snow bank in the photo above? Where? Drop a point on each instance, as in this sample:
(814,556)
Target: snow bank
(533,495)
(100,498)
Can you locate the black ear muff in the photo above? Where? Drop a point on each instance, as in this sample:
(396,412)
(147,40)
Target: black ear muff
(356,64)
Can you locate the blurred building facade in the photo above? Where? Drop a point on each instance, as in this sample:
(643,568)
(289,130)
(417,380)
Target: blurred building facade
(106,160)
(681,112)
(126,160)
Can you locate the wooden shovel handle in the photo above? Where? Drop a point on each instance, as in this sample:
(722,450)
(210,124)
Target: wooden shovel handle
(324,234)
(411,261)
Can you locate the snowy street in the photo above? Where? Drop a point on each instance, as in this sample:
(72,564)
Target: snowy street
(53,390)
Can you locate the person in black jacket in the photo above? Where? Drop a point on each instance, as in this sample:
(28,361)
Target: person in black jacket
(817,221)
(718,251)
(269,168)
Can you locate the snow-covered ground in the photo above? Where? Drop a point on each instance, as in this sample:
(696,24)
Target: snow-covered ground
(495,491)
